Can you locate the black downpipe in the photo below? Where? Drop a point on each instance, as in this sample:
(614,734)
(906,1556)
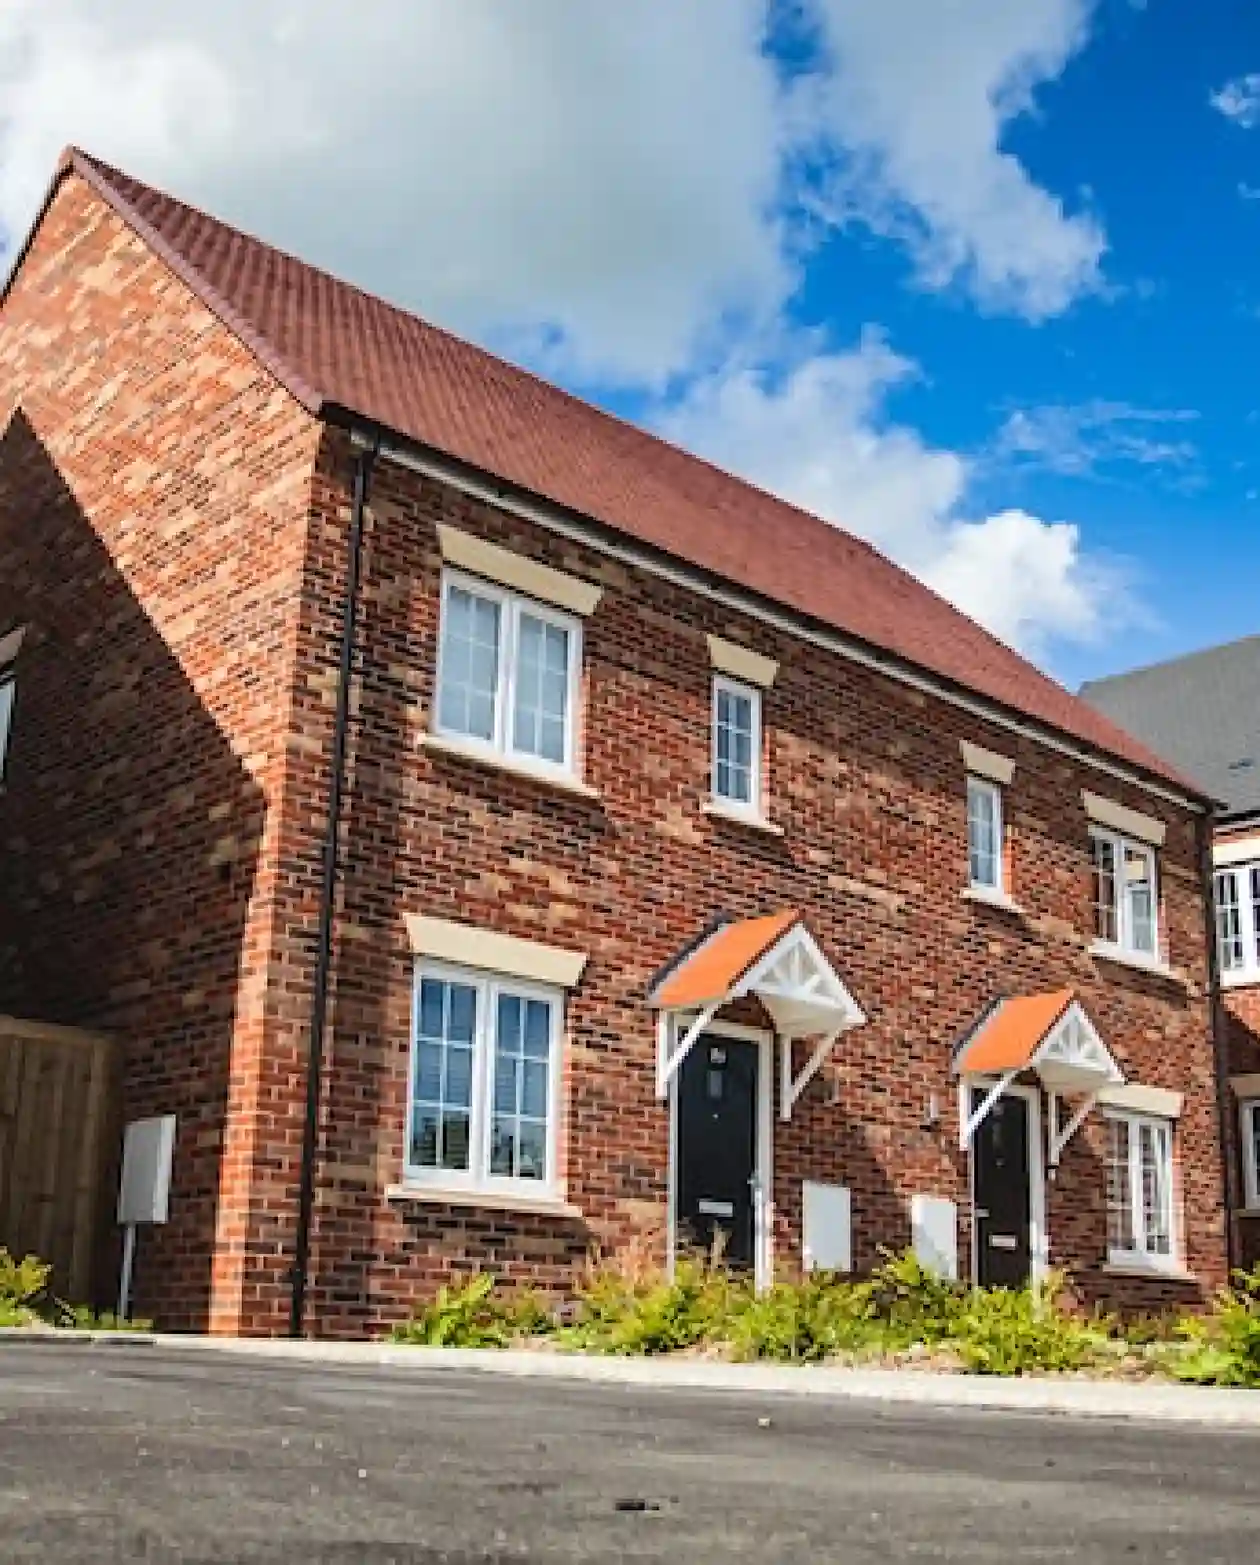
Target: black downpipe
(1220,1041)
(327,896)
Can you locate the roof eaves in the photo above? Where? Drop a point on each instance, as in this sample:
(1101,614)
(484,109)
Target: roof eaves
(299,388)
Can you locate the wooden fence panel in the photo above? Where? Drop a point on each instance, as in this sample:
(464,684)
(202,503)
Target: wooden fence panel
(58,1123)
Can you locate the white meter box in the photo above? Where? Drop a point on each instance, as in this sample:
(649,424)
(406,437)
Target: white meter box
(145,1187)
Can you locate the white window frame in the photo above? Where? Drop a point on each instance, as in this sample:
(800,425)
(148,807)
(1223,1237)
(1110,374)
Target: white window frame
(724,684)
(994,790)
(511,606)
(1140,1256)
(1248,971)
(1123,943)
(476,1178)
(1248,1123)
(8,697)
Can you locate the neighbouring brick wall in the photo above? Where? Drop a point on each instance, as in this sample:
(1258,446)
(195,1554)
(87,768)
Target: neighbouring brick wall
(154,490)
(1242,1058)
(866,778)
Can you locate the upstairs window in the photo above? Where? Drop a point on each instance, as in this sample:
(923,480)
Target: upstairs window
(984,834)
(507,674)
(1237,911)
(1125,896)
(736,745)
(1249,1111)
(1139,1191)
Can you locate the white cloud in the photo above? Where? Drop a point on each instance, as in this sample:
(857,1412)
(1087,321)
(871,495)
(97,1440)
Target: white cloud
(820,435)
(614,191)
(1239,100)
(921,95)
(603,176)
(1085,439)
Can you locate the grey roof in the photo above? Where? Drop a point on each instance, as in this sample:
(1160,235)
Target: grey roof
(1201,712)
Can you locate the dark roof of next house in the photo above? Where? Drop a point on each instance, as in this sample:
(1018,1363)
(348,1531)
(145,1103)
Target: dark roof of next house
(1201,711)
(341,351)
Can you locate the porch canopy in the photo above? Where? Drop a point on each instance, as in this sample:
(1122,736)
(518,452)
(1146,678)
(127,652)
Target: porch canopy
(778,961)
(1050,1035)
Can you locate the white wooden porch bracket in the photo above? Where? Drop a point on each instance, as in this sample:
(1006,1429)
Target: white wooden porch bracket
(1060,1138)
(978,1115)
(669,1061)
(791,1087)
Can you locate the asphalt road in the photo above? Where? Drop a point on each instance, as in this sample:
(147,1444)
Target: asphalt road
(134,1453)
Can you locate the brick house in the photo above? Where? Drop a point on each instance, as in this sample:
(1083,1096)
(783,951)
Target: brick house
(1201,712)
(496,834)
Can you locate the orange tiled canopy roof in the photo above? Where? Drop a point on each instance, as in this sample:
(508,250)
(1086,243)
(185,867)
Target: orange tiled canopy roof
(1010,1036)
(720,962)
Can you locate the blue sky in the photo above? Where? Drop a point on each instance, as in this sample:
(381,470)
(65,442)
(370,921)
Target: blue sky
(973,278)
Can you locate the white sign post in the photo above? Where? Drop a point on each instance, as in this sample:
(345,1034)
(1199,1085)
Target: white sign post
(144,1190)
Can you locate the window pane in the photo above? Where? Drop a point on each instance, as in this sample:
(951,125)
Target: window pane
(1254,886)
(541,706)
(984,847)
(470,664)
(1119,1187)
(1156,1149)
(1228,922)
(6,716)
(1105,920)
(734,735)
(518,1132)
(1139,888)
(446,1018)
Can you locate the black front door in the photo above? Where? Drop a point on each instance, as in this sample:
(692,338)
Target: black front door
(717,1148)
(1002,1192)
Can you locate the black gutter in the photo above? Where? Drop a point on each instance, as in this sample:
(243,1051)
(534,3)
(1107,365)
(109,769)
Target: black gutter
(323,961)
(1220,1041)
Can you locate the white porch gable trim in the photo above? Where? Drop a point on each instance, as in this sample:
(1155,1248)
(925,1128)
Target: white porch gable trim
(800,991)
(1070,1058)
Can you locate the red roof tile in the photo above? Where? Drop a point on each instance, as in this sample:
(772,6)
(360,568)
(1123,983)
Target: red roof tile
(336,347)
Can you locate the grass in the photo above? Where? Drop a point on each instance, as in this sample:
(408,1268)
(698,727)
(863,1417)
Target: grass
(901,1313)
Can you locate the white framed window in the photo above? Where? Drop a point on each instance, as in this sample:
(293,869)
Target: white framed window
(1237,913)
(984,834)
(1140,1227)
(485,1074)
(8,691)
(1249,1124)
(508,673)
(736,744)
(1125,894)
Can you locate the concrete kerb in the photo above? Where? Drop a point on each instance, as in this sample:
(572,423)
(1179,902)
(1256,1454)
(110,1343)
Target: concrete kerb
(1141,1401)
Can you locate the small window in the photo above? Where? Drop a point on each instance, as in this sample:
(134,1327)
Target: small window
(984,833)
(8,689)
(737,745)
(1125,897)
(1250,1125)
(507,673)
(1140,1191)
(1237,913)
(484,1072)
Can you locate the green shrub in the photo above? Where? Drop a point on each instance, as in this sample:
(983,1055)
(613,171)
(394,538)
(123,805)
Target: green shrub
(1022,1331)
(912,1303)
(22,1284)
(1224,1347)
(652,1314)
(459,1317)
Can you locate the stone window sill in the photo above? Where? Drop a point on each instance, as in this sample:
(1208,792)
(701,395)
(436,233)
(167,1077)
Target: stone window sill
(484,1200)
(1245,980)
(1248,1211)
(1140,964)
(466,750)
(1149,1273)
(987,897)
(738,817)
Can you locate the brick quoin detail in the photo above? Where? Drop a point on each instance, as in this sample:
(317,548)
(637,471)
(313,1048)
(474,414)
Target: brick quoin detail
(173,529)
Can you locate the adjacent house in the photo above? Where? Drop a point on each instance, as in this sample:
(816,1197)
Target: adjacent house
(497,835)
(1201,712)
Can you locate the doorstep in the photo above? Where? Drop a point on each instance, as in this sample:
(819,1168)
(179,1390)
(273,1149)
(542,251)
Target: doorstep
(1150,1401)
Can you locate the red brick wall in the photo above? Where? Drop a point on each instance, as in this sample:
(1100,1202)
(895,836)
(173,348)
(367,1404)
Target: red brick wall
(154,489)
(1242,1055)
(865,776)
